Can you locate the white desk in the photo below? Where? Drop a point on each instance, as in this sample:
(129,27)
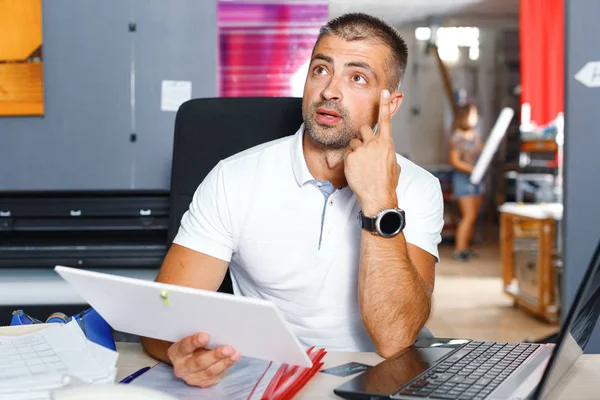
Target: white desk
(537,211)
(582,382)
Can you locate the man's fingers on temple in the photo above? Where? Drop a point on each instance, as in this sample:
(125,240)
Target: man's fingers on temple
(384,113)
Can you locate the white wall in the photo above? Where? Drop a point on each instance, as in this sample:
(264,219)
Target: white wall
(421,126)
(418,125)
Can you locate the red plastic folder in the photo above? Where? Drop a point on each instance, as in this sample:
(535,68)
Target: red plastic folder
(288,380)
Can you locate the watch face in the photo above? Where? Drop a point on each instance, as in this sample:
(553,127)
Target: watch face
(390,223)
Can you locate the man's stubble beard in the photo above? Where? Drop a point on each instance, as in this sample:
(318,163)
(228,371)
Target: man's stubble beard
(335,137)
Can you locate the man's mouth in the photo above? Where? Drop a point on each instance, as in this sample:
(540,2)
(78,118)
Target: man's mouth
(328,112)
(326,116)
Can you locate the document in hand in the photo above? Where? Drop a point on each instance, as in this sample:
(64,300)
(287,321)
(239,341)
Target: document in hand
(36,363)
(254,327)
(249,378)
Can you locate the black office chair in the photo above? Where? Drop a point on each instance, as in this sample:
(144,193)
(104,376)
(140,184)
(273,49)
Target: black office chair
(209,130)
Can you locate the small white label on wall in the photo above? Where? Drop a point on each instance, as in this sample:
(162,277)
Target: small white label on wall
(589,75)
(174,93)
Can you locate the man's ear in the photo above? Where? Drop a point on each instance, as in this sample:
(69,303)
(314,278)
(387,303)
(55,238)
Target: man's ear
(395,102)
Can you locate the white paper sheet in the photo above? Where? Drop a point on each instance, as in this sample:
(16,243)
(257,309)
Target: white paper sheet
(254,327)
(36,363)
(236,383)
(174,93)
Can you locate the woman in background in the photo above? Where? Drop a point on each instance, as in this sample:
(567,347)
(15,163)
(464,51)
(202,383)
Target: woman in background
(465,148)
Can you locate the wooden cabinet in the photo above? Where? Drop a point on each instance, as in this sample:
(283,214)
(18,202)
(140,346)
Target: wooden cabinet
(528,251)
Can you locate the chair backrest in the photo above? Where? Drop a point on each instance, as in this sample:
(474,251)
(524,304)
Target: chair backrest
(212,129)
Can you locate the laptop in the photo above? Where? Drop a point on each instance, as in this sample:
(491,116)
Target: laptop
(464,369)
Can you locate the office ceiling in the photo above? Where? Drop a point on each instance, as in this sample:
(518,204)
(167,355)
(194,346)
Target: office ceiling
(404,12)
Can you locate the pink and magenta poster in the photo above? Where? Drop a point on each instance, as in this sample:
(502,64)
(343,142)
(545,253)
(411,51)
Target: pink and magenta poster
(265,46)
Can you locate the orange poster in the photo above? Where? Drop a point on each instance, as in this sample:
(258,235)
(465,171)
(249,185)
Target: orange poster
(21,65)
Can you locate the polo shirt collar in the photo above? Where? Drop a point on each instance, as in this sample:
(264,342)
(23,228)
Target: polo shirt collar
(299,166)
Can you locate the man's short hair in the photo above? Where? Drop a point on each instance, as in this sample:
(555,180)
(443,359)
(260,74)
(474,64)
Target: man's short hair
(360,26)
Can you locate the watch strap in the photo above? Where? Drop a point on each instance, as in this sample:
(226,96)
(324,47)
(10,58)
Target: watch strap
(367,223)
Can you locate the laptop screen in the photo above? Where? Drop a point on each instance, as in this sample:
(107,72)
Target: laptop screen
(577,328)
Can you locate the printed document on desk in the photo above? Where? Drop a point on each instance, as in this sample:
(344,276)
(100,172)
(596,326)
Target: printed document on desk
(254,327)
(246,379)
(36,363)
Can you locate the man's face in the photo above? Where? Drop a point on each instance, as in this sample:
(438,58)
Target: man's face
(342,89)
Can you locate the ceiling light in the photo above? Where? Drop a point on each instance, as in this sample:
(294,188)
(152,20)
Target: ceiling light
(423,33)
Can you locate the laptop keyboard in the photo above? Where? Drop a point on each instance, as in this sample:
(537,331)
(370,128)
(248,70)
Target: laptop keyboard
(471,373)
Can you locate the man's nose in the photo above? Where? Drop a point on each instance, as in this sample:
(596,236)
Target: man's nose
(332,91)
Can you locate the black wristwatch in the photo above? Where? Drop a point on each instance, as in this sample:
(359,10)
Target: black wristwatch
(387,223)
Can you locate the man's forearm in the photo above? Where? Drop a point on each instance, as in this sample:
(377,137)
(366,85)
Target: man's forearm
(156,348)
(394,301)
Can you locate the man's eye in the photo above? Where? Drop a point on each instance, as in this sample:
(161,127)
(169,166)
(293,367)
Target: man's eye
(320,71)
(359,79)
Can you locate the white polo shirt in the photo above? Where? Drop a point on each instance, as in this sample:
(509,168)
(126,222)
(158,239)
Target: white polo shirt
(288,241)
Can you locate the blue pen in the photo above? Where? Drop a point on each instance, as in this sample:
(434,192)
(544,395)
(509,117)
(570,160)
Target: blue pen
(134,375)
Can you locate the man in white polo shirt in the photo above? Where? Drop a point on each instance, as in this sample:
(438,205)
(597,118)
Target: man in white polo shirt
(330,224)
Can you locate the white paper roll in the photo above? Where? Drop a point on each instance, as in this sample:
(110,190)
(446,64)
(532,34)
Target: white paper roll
(491,145)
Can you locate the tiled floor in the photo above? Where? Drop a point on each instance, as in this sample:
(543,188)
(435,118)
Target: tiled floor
(469,301)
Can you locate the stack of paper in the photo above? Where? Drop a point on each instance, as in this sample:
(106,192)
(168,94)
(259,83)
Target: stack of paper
(36,363)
